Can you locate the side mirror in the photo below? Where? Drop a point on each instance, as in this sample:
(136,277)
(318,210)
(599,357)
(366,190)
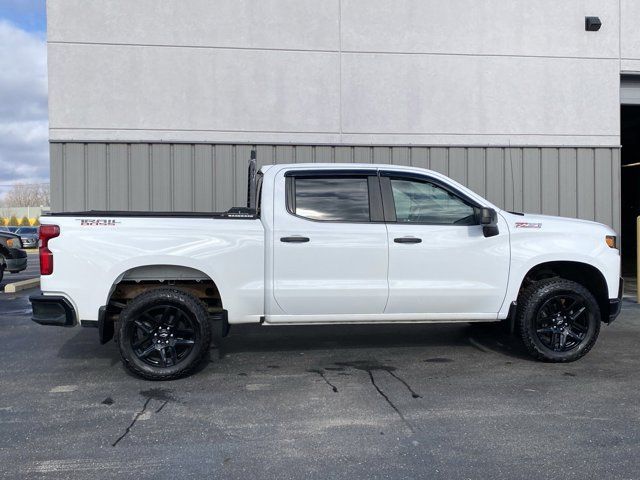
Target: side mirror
(488,218)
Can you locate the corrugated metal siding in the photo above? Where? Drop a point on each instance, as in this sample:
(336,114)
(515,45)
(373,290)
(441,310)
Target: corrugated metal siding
(573,182)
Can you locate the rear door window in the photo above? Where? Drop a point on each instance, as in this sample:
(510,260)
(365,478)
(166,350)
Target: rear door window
(336,199)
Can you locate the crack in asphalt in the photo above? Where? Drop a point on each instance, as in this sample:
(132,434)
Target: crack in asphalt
(160,394)
(322,375)
(370,367)
(162,406)
(391,404)
(133,422)
(401,380)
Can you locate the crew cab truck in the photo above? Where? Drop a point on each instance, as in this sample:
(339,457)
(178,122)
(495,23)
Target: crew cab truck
(327,244)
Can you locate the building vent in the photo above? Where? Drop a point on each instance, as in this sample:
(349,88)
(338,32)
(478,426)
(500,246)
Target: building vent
(592,24)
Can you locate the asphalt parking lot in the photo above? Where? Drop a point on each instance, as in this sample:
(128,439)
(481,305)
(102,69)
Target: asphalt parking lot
(429,401)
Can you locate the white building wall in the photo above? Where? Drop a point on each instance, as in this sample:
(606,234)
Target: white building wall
(392,72)
(630,36)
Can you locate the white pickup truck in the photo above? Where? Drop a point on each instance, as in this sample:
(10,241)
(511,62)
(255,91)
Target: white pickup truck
(327,244)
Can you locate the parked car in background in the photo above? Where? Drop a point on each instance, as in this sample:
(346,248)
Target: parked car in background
(29,236)
(9,229)
(12,257)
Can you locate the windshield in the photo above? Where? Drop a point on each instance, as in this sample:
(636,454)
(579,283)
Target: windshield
(30,230)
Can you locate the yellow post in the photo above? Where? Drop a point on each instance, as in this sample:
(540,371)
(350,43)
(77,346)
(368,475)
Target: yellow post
(637,259)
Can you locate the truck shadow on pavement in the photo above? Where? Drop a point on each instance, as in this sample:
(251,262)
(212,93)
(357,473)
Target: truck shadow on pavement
(85,345)
(486,338)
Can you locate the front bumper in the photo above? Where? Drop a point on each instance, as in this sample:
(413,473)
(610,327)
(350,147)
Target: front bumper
(615,304)
(16,261)
(52,310)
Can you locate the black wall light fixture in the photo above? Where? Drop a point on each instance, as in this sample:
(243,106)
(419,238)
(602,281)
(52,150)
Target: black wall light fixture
(592,24)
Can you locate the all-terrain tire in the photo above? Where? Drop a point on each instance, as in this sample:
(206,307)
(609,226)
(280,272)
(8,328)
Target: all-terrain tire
(138,321)
(536,297)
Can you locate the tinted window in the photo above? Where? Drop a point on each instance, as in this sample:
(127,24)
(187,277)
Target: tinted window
(343,199)
(27,230)
(423,202)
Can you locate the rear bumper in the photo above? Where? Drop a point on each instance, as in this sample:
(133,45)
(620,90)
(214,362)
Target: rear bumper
(615,304)
(52,310)
(16,260)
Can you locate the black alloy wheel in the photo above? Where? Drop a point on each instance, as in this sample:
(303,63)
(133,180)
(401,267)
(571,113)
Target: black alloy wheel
(558,319)
(562,322)
(163,334)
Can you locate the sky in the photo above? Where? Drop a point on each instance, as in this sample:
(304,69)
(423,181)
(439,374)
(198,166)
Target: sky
(24,150)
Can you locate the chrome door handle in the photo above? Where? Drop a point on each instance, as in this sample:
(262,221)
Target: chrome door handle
(407,240)
(294,239)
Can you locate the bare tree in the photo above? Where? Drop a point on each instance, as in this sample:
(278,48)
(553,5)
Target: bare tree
(27,195)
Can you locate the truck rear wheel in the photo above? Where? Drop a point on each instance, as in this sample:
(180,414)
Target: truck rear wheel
(559,320)
(164,334)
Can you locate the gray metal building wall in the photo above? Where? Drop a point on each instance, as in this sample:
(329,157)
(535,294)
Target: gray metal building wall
(572,182)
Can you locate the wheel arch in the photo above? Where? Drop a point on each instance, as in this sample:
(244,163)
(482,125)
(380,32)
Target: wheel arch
(585,274)
(151,275)
(142,278)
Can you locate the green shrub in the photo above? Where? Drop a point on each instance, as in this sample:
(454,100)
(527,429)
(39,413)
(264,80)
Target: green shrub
(13,221)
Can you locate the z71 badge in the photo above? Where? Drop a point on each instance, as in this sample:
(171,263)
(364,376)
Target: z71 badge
(528,225)
(97,222)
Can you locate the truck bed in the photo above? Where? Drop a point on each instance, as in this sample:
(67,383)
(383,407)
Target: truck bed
(96,250)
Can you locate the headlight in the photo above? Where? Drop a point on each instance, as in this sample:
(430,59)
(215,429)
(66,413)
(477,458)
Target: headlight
(14,243)
(611,241)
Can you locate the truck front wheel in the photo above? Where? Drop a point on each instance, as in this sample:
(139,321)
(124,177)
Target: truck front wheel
(559,320)
(164,334)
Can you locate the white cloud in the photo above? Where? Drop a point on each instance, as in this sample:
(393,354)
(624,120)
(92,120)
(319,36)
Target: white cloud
(24,149)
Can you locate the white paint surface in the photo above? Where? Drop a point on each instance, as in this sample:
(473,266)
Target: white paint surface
(630,35)
(543,28)
(421,72)
(285,24)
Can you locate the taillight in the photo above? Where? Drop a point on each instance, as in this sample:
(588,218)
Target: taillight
(47,232)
